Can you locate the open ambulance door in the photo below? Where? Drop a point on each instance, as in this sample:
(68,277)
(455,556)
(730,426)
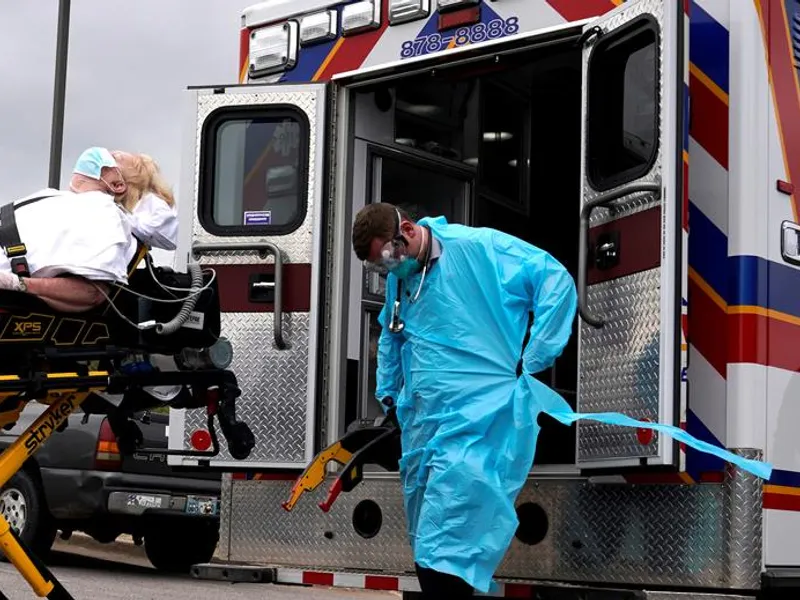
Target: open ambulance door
(257,178)
(630,277)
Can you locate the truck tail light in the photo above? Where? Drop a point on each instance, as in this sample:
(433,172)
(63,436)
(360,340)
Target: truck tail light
(107,456)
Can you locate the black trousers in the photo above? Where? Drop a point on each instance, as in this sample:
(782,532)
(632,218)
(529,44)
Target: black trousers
(442,586)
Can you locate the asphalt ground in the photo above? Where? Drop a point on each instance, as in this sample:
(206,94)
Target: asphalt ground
(120,571)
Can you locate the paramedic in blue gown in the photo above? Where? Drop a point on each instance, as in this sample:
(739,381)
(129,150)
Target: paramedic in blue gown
(447,375)
(468,422)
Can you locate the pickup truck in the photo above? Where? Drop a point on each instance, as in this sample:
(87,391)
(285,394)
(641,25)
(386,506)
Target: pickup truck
(80,481)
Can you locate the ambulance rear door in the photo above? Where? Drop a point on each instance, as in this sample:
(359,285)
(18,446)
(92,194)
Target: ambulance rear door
(631,275)
(257,179)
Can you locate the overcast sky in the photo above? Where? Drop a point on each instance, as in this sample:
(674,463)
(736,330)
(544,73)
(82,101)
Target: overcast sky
(128,65)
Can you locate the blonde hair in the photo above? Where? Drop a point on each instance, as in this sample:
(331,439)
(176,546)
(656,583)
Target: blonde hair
(142,175)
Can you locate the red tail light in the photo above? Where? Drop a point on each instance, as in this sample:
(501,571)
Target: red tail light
(107,457)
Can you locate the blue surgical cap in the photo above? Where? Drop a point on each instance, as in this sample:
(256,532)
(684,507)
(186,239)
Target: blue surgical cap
(92,160)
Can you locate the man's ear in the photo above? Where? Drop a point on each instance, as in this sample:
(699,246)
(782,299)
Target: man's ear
(407,229)
(119,187)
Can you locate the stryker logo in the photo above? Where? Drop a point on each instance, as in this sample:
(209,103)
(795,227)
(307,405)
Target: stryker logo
(195,321)
(48,423)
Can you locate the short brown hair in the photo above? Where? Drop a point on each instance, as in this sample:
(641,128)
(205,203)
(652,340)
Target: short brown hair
(377,220)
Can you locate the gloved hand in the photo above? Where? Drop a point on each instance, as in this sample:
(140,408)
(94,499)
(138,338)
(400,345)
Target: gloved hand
(390,418)
(9,281)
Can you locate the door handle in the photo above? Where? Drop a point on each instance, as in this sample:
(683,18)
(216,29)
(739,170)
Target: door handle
(264,249)
(583,245)
(790,242)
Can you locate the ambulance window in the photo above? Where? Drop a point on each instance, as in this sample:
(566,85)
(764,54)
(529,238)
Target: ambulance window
(254,171)
(623,105)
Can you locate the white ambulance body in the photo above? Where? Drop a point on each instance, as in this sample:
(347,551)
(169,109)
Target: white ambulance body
(652,146)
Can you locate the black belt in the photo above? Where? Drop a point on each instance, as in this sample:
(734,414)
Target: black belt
(9,237)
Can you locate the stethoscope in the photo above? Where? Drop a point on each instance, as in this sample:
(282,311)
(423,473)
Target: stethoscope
(397,325)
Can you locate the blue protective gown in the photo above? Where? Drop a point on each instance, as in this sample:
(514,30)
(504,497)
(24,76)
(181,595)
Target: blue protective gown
(469,424)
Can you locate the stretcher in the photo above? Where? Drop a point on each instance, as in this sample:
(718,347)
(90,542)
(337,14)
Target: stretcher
(72,361)
(365,444)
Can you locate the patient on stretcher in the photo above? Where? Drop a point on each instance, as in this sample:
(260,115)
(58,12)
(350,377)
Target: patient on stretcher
(77,242)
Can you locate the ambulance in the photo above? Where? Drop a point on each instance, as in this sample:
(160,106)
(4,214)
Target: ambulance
(652,146)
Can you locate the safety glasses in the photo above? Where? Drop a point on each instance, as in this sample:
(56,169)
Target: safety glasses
(390,255)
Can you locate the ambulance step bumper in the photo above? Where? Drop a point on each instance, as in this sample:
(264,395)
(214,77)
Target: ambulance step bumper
(234,573)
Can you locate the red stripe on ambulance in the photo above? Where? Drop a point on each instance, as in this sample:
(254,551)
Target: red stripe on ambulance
(575,11)
(640,245)
(353,51)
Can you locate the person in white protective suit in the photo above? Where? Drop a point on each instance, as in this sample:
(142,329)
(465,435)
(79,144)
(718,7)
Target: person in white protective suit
(80,240)
(457,305)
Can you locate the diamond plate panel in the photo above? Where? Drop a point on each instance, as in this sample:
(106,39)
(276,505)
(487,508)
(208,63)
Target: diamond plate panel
(620,363)
(619,366)
(223,548)
(672,535)
(635,202)
(743,511)
(262,532)
(274,386)
(297,246)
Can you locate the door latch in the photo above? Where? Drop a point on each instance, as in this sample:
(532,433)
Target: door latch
(606,250)
(790,242)
(262,288)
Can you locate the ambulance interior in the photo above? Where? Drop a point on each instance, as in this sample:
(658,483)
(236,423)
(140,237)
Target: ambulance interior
(494,143)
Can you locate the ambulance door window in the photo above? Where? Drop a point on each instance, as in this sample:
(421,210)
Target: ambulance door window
(259,180)
(623,108)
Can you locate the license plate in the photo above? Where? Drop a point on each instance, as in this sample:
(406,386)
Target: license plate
(205,506)
(144,501)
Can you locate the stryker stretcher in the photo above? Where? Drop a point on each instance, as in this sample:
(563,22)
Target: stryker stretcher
(66,360)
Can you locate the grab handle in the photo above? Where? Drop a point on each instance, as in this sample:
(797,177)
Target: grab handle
(583,246)
(265,249)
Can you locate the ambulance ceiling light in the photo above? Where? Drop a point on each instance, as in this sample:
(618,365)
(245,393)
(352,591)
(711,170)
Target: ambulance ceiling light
(421,110)
(471,161)
(273,49)
(318,27)
(361,16)
(403,11)
(448,5)
(497,136)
